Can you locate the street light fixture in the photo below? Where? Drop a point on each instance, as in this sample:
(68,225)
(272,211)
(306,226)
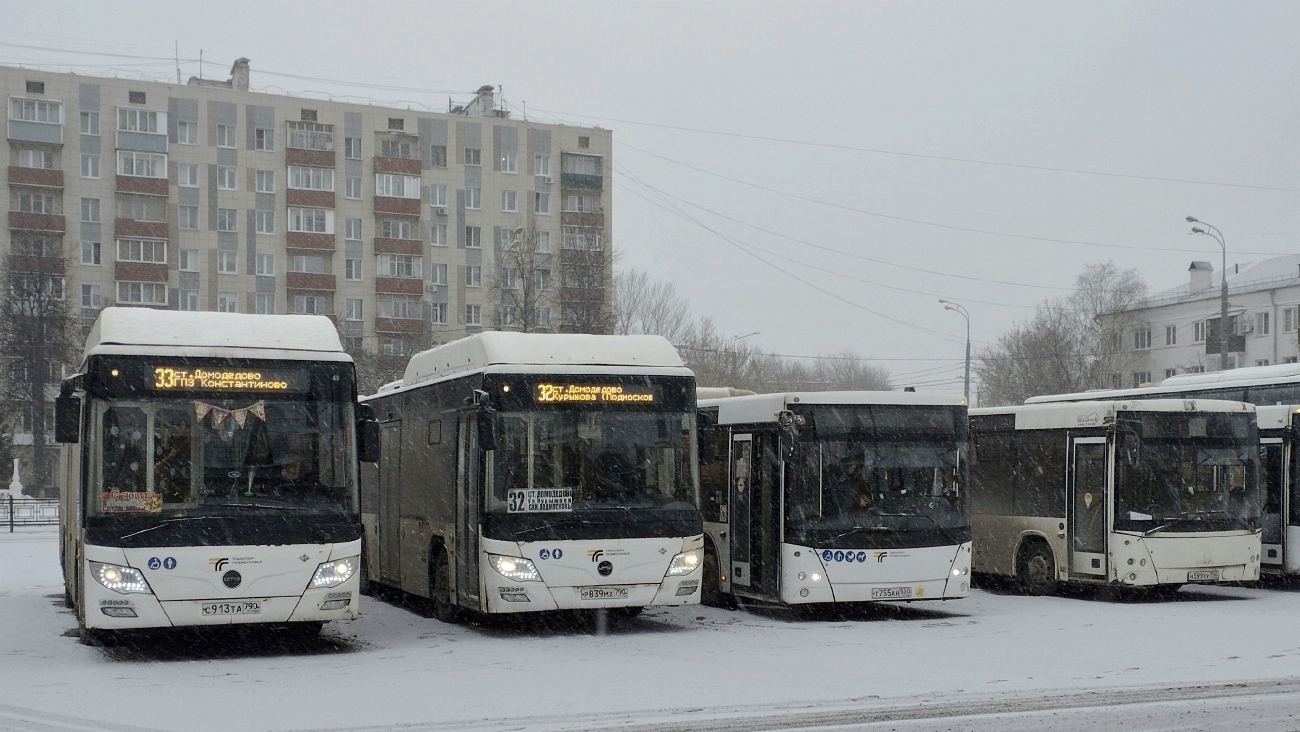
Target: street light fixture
(1213,232)
(736,338)
(947,305)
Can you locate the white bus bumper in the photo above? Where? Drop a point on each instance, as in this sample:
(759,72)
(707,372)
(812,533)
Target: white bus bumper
(1176,559)
(866,575)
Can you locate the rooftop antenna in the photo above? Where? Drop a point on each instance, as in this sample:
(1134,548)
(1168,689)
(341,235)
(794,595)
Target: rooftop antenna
(200,64)
(178,60)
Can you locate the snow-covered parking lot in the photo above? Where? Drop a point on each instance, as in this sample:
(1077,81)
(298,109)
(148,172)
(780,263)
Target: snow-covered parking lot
(393,667)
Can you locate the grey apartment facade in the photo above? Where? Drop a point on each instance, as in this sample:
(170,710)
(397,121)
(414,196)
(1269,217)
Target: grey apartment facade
(405,227)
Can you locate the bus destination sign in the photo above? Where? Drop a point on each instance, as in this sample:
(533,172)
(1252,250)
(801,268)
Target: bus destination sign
(593,394)
(250,380)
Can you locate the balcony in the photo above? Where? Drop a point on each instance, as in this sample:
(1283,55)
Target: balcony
(142,229)
(582,180)
(401,166)
(399,206)
(399,286)
(42,177)
(306,240)
(398,246)
(312,158)
(399,325)
(138,184)
(309,281)
(35,265)
(140,272)
(573,218)
(310,199)
(37,221)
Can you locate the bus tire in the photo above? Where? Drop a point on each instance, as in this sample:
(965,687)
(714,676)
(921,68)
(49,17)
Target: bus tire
(303,632)
(711,592)
(1036,568)
(440,588)
(96,637)
(363,573)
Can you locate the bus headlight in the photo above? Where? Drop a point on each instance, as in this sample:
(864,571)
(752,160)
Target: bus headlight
(514,568)
(335,573)
(684,563)
(123,580)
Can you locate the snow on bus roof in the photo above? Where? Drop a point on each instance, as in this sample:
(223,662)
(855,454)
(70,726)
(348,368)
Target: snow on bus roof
(497,348)
(755,408)
(1064,415)
(119,330)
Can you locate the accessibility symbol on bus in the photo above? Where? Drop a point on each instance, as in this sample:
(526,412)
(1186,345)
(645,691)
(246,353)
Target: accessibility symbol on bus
(828,555)
(154,563)
(169,563)
(544,554)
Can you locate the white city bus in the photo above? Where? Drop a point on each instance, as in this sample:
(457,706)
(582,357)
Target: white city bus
(1142,493)
(834,497)
(1275,392)
(208,474)
(524,472)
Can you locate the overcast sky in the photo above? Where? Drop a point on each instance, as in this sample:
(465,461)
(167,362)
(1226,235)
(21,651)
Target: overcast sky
(1199,92)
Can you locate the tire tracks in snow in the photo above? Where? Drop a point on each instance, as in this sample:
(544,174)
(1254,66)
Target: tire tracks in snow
(19,719)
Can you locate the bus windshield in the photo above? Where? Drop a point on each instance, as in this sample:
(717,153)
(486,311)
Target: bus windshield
(195,457)
(907,474)
(1186,472)
(562,461)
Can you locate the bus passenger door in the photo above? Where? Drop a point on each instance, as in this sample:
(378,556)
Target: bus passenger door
(468,509)
(1088,499)
(742,471)
(390,503)
(1272,478)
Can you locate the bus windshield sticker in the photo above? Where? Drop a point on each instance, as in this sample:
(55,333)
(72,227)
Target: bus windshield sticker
(539,500)
(590,394)
(120,502)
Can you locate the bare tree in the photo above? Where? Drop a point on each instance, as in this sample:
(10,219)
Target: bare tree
(523,282)
(584,296)
(642,306)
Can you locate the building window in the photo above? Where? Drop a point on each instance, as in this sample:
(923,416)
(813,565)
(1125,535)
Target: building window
(36,203)
(311,179)
(1262,324)
(142,250)
(582,238)
(265,303)
(510,201)
(90,252)
(394,149)
(91,296)
(1291,359)
(584,141)
(140,120)
(142,293)
(266,265)
(189,300)
(352,229)
(1289,319)
(312,220)
(581,204)
(543,242)
(1140,378)
(310,136)
(35,87)
(141,165)
(227,261)
(438,235)
(47,111)
(227,302)
(544,317)
(309,115)
(473,315)
(473,237)
(135,97)
(187,175)
(473,156)
(542,203)
(227,219)
(542,165)
(187,133)
(438,274)
(396,123)
(438,313)
(506,315)
(353,308)
(226,138)
(29,158)
(400,306)
(187,217)
(264,181)
(90,210)
(263,139)
(34,245)
(473,275)
(509,161)
(89,165)
(391,346)
(226,177)
(352,187)
(437,156)
(352,148)
(189,260)
(1198,331)
(309,304)
(1261,362)
(1171,335)
(438,195)
(509,278)
(265,221)
(397,186)
(393,229)
(474,198)
(352,269)
(1171,372)
(90,123)
(307,263)
(581,164)
(400,265)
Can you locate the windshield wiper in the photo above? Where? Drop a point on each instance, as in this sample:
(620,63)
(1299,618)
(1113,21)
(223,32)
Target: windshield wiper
(164,523)
(281,506)
(1151,531)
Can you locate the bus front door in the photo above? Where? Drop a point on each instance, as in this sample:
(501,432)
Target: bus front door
(742,472)
(468,508)
(390,503)
(1088,499)
(1272,478)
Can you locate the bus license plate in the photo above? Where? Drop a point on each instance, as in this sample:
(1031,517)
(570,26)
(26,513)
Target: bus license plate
(1207,575)
(890,593)
(603,593)
(247,607)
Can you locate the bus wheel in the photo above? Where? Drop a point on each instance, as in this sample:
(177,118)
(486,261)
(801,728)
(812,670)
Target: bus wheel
(96,637)
(711,593)
(1037,569)
(363,573)
(440,589)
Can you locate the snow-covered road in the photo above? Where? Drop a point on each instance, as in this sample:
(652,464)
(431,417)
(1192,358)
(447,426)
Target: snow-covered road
(393,667)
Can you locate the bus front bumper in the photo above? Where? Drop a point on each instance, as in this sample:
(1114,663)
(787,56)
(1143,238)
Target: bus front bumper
(1175,559)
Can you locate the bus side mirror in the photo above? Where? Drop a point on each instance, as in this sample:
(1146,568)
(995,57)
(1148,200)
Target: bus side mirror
(789,433)
(705,435)
(487,422)
(67,419)
(367,434)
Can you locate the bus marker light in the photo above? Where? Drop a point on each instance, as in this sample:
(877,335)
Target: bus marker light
(816,577)
(335,604)
(803,576)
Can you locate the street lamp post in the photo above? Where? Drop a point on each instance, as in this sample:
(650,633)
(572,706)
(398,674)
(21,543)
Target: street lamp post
(966,316)
(1213,232)
(736,338)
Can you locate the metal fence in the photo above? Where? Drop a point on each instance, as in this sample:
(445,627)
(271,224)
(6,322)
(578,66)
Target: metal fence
(28,512)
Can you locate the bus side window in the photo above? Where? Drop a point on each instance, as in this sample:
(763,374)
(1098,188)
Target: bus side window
(125,431)
(713,477)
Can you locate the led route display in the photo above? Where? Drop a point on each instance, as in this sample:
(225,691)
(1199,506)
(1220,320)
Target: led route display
(176,379)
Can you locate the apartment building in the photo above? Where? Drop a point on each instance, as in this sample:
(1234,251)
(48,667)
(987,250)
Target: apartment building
(398,224)
(1177,330)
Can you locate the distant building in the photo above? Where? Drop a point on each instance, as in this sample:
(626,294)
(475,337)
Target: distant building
(1178,328)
